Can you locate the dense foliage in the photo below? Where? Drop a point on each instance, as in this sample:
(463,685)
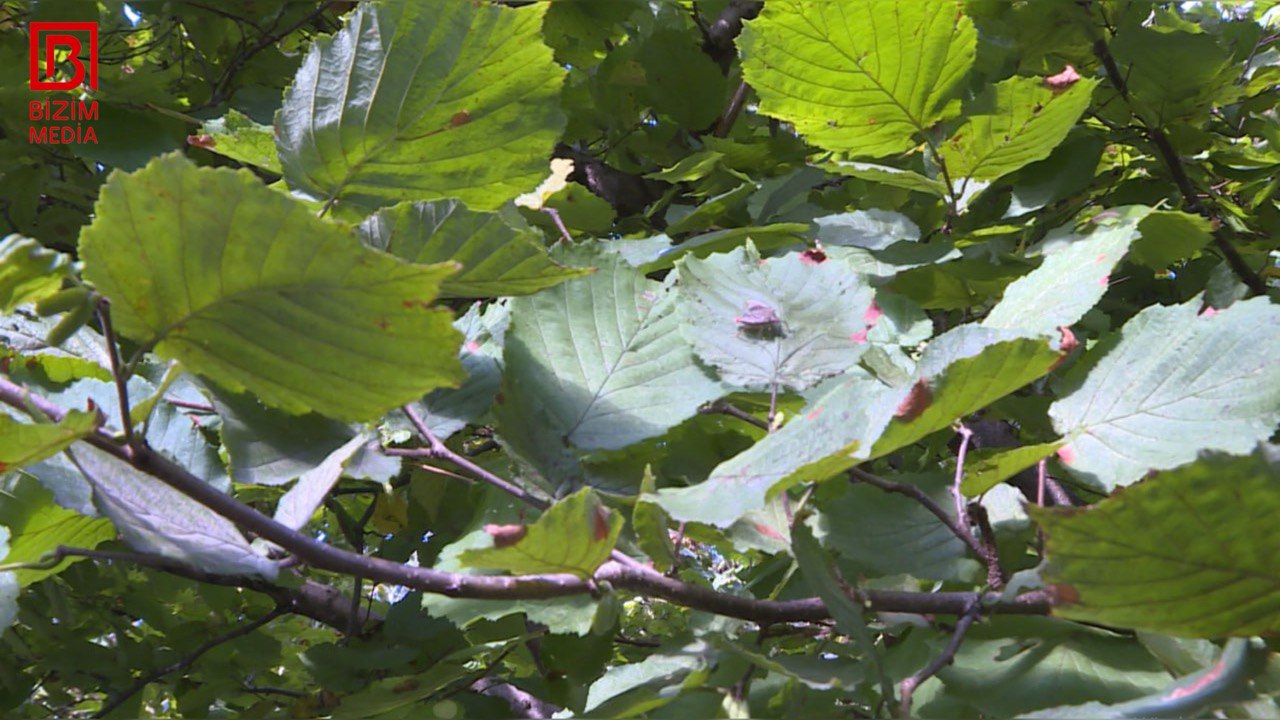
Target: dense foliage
(659,358)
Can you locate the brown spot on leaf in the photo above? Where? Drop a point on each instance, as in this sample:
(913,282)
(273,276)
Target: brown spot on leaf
(600,529)
(1066,344)
(506,535)
(462,117)
(202,140)
(408,685)
(1063,594)
(916,402)
(813,256)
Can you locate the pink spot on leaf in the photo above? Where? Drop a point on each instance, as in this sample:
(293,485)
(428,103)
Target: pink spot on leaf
(1066,454)
(1062,80)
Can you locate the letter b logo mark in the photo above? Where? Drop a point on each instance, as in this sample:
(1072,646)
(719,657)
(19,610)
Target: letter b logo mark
(46,38)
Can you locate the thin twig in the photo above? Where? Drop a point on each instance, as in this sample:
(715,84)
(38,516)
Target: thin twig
(908,686)
(438,449)
(118,374)
(187,660)
(555,217)
(957,495)
(723,408)
(1042,474)
(185,405)
(731,112)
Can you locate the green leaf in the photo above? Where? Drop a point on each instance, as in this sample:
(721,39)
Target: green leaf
(1017,122)
(833,434)
(838,597)
(681,80)
(423,100)
(813,318)
(498,258)
(871,229)
(39,525)
(269,447)
(28,271)
(861,418)
(154,518)
(1182,553)
(1174,76)
(1197,695)
(984,471)
(858,77)
(1008,666)
(604,357)
(879,533)
(575,535)
(238,137)
(25,443)
(630,690)
(1073,277)
(572,615)
(652,526)
(307,495)
(246,287)
(1169,236)
(1174,381)
(963,371)
(887,175)
(448,410)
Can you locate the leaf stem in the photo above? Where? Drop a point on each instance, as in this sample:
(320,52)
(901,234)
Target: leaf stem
(118,373)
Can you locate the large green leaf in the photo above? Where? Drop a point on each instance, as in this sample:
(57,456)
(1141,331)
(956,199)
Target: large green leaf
(863,76)
(1172,382)
(28,271)
(497,257)
(813,317)
(24,443)
(246,287)
(423,100)
(1016,123)
(154,518)
(1189,552)
(1072,279)
(604,357)
(575,535)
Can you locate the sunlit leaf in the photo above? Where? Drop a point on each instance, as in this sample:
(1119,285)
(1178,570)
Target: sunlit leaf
(1174,381)
(423,100)
(1186,552)
(246,287)
(859,77)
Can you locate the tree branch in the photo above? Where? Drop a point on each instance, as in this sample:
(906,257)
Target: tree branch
(187,660)
(322,603)
(637,578)
(1177,169)
(908,686)
(522,703)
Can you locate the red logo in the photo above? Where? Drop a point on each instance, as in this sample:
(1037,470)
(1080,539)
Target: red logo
(53,35)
